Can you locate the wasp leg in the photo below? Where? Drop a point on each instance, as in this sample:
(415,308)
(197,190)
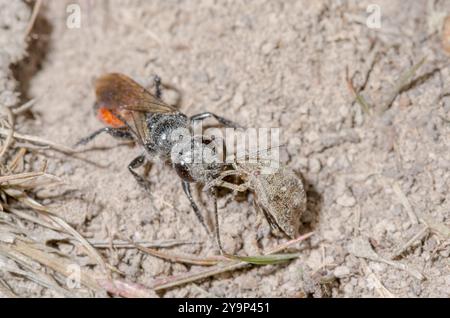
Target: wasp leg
(222,120)
(121,133)
(157,81)
(216,218)
(187,191)
(134,164)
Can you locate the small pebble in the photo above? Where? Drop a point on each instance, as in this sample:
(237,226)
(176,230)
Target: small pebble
(404,101)
(447,280)
(268,47)
(343,111)
(341,271)
(304,109)
(445,253)
(346,200)
(406,226)
(348,289)
(314,165)
(311,136)
(171,96)
(238,100)
(301,163)
(330,161)
(68,168)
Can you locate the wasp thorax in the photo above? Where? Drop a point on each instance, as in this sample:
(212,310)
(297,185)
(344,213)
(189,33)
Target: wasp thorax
(167,130)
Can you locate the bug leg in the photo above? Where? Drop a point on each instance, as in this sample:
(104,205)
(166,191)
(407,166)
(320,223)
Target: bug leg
(234,187)
(157,81)
(276,230)
(219,179)
(134,164)
(222,120)
(121,133)
(187,191)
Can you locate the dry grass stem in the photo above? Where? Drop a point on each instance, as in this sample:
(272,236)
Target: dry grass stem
(173,281)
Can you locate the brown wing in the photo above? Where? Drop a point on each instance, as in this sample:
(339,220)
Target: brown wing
(139,125)
(122,101)
(118,92)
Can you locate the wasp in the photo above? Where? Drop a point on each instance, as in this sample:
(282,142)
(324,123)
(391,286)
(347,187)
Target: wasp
(131,112)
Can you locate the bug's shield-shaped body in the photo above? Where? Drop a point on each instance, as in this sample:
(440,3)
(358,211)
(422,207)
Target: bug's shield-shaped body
(280,195)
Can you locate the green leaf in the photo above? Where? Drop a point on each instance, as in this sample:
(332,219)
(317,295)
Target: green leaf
(363,103)
(406,76)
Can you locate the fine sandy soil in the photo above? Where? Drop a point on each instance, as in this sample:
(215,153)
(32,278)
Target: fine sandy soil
(377,181)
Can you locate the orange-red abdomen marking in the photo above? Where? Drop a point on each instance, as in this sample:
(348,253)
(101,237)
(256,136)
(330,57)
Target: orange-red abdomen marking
(107,117)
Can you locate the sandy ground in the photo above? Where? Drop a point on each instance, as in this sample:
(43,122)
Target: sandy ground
(374,181)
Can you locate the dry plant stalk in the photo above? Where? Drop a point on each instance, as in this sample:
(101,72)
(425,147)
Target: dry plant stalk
(400,84)
(19,245)
(173,281)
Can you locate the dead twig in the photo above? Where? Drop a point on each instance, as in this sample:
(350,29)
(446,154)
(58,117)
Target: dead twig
(51,216)
(15,161)
(29,272)
(20,176)
(181,258)
(379,287)
(403,81)
(40,141)
(415,217)
(361,248)
(439,228)
(34,14)
(6,290)
(405,202)
(126,289)
(57,264)
(10,134)
(33,219)
(357,93)
(417,237)
(127,244)
(24,107)
(173,281)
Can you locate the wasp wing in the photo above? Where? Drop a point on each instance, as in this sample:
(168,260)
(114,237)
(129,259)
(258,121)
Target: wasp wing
(119,92)
(140,127)
(129,102)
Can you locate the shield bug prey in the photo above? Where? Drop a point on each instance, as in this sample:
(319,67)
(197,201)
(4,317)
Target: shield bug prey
(278,193)
(131,112)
